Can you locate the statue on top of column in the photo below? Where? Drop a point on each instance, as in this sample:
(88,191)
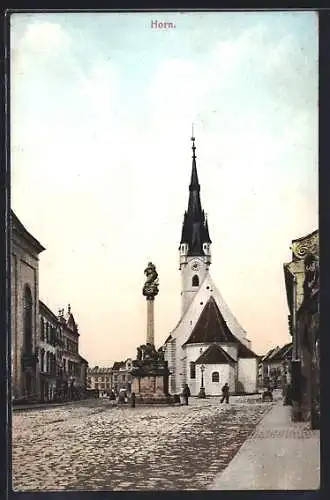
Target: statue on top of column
(150,288)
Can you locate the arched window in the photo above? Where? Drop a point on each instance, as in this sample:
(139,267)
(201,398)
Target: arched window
(42,360)
(27,321)
(42,329)
(195,280)
(192,369)
(215,377)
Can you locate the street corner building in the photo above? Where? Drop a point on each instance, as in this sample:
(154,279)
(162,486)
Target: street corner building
(25,250)
(45,360)
(302,289)
(208,344)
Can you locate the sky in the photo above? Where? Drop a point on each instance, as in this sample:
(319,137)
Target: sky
(102,107)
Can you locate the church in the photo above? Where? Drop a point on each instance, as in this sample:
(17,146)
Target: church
(208,346)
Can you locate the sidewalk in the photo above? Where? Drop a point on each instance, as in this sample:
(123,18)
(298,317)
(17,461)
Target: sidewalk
(280,455)
(45,406)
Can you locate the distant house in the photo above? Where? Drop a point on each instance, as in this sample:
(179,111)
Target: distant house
(276,366)
(100,379)
(121,373)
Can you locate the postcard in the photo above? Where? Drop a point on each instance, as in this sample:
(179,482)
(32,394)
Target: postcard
(164,250)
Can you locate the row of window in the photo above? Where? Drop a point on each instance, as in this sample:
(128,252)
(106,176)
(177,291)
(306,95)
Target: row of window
(48,332)
(70,345)
(115,378)
(47,362)
(101,379)
(72,368)
(215,375)
(102,386)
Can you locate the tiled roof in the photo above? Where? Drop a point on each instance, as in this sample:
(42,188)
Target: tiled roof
(97,369)
(118,364)
(211,327)
(282,353)
(270,353)
(278,353)
(214,354)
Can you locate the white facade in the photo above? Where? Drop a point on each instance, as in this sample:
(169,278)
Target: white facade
(247,375)
(226,374)
(241,375)
(174,352)
(197,288)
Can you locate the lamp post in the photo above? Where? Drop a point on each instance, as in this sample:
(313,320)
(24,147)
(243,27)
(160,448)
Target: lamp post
(202,388)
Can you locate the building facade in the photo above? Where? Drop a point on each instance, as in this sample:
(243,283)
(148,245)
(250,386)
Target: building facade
(205,317)
(302,289)
(46,364)
(100,379)
(50,354)
(276,367)
(74,366)
(25,250)
(121,375)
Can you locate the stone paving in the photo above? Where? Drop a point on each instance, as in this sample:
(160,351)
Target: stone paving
(98,446)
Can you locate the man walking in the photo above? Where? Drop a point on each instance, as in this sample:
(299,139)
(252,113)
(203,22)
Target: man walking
(225,393)
(186,393)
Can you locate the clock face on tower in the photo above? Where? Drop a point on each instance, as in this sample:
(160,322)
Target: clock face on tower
(195,266)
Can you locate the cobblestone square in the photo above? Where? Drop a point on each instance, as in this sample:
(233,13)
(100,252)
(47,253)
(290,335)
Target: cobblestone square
(94,445)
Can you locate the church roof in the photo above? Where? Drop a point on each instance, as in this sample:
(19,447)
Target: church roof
(214,354)
(211,327)
(245,352)
(195,230)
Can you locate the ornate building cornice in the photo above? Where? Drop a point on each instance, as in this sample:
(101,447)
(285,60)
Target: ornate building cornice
(306,245)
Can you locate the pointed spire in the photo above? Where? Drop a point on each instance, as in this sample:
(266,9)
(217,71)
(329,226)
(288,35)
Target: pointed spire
(194,231)
(69,309)
(207,235)
(194,184)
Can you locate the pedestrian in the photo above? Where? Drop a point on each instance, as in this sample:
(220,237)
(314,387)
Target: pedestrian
(186,393)
(133,400)
(225,393)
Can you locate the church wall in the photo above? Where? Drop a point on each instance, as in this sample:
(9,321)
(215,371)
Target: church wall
(247,374)
(226,374)
(193,351)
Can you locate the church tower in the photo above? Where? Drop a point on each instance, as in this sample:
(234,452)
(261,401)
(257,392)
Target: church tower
(194,249)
